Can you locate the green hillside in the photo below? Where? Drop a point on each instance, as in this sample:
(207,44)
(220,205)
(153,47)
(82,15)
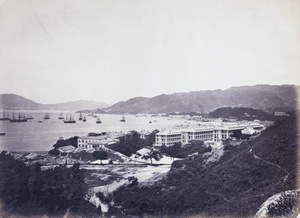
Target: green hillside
(235,186)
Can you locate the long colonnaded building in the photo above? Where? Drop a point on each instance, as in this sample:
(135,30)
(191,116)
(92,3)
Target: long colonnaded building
(212,133)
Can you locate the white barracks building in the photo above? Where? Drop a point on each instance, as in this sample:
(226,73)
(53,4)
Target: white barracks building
(211,133)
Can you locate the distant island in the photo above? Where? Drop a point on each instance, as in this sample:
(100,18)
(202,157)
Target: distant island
(17,102)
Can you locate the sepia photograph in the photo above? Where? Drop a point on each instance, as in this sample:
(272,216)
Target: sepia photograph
(149,108)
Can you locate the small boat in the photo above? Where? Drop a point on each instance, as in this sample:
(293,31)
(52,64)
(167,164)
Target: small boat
(98,120)
(2,133)
(47,116)
(150,121)
(84,119)
(80,116)
(61,116)
(123,119)
(40,121)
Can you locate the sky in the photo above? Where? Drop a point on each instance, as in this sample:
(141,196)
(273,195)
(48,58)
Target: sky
(54,51)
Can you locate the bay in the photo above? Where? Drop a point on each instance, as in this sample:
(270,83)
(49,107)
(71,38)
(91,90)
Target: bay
(35,136)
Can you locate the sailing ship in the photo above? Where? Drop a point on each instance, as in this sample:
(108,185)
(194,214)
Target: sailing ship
(5,116)
(70,119)
(84,119)
(47,116)
(61,116)
(20,118)
(123,119)
(80,116)
(98,120)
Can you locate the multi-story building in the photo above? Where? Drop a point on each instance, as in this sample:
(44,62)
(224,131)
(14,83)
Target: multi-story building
(215,133)
(168,138)
(203,134)
(99,142)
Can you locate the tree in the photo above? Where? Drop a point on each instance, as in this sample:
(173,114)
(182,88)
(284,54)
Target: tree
(54,152)
(175,150)
(150,140)
(100,155)
(70,141)
(153,154)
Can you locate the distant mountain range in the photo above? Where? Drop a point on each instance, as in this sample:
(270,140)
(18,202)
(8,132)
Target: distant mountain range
(264,97)
(17,102)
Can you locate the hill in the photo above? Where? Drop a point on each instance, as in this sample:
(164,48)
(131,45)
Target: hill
(241,113)
(264,97)
(76,105)
(235,186)
(12,102)
(17,102)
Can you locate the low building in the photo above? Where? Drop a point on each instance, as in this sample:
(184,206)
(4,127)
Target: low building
(280,114)
(67,149)
(142,152)
(99,142)
(144,134)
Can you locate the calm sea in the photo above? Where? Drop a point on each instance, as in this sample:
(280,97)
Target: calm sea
(35,136)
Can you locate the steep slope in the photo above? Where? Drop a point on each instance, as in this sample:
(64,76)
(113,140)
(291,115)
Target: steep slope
(235,186)
(258,97)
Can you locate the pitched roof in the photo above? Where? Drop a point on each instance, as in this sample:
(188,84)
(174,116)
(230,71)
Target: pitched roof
(67,149)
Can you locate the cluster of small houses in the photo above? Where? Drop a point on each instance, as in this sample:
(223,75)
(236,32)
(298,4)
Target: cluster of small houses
(85,143)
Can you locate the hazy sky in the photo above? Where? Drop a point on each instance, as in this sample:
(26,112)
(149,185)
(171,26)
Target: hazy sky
(111,50)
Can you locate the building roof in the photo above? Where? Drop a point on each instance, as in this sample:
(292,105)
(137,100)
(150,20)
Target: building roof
(248,131)
(93,137)
(67,149)
(143,151)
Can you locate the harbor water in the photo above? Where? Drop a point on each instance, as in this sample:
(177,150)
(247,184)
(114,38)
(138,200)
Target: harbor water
(39,134)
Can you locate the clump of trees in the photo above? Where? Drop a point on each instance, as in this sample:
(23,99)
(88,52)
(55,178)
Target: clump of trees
(153,154)
(54,190)
(100,155)
(182,151)
(64,142)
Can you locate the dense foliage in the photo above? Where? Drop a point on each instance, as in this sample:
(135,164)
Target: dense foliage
(278,144)
(181,151)
(100,155)
(65,142)
(234,186)
(54,190)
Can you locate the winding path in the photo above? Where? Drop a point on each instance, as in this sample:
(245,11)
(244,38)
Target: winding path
(270,163)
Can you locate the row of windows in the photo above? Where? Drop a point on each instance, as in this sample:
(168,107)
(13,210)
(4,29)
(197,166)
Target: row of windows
(87,141)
